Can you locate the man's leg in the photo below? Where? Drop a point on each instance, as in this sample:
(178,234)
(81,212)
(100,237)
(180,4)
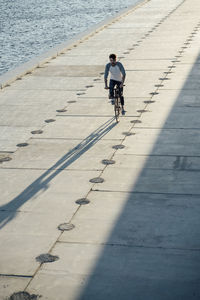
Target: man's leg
(121,96)
(111,87)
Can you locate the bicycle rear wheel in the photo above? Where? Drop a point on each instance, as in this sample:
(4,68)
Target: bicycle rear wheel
(117,109)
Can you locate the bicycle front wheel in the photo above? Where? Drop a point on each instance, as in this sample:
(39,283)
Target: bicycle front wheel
(117,109)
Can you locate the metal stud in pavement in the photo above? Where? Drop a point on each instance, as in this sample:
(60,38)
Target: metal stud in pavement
(22,144)
(97,180)
(5,158)
(37,131)
(66,227)
(117,147)
(128,133)
(49,120)
(23,296)
(108,162)
(46,258)
(61,110)
(82,201)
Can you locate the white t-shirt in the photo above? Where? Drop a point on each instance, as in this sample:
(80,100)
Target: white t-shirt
(115,73)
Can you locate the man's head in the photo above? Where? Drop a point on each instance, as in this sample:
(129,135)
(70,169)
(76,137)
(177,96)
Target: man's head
(112,58)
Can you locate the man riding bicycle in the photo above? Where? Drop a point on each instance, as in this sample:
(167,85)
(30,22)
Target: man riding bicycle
(117,77)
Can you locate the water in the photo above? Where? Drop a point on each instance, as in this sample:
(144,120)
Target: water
(31,27)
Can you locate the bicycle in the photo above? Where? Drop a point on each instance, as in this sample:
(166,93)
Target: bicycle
(117,104)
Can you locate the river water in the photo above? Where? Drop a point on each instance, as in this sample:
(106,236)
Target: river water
(30,27)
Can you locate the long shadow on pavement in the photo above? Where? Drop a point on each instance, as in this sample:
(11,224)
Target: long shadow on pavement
(41,183)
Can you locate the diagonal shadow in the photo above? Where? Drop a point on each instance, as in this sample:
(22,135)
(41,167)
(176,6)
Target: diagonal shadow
(41,183)
(153,250)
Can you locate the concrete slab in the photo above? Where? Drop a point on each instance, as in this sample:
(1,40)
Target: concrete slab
(162,142)
(128,221)
(120,281)
(153,181)
(49,83)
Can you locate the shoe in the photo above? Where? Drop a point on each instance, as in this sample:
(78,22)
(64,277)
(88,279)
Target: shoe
(112,101)
(123,112)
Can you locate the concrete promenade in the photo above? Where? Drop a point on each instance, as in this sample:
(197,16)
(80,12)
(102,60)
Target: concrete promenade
(136,234)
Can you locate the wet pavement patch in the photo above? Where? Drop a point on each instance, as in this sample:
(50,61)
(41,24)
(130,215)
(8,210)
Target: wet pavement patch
(50,120)
(97,180)
(66,226)
(128,133)
(37,132)
(23,296)
(116,147)
(46,258)
(82,201)
(4,158)
(61,110)
(108,162)
(22,145)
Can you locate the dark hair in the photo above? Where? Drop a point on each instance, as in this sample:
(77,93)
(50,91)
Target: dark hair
(113,56)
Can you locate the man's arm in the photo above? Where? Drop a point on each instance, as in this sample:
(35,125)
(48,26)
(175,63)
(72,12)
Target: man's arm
(122,70)
(106,75)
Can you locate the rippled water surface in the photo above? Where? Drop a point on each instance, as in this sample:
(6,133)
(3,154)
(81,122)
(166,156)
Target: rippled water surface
(30,27)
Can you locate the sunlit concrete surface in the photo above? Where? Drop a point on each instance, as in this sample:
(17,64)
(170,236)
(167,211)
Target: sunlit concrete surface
(138,237)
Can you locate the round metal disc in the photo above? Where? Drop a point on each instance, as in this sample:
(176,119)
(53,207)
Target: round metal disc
(136,121)
(97,180)
(148,102)
(82,201)
(23,296)
(66,227)
(108,162)
(154,93)
(142,110)
(46,258)
(22,145)
(61,110)
(5,158)
(37,132)
(128,133)
(49,120)
(118,147)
